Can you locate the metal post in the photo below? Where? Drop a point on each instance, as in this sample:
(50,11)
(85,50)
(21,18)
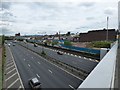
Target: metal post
(59,35)
(107,29)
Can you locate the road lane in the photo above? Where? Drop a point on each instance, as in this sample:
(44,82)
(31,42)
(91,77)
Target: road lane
(77,62)
(58,78)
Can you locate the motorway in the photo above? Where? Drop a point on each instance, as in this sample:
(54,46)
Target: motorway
(11,75)
(81,63)
(31,65)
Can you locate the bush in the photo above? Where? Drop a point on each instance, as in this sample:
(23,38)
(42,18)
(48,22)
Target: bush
(54,43)
(67,43)
(101,44)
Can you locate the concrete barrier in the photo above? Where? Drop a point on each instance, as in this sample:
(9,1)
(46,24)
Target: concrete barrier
(103,74)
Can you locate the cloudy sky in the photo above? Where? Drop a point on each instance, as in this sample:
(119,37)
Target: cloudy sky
(52,16)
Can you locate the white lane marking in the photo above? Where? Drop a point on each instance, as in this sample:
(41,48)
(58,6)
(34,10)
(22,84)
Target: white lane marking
(96,60)
(62,52)
(72,55)
(9,67)
(76,56)
(11,76)
(16,69)
(56,66)
(38,75)
(29,65)
(9,63)
(13,83)
(19,88)
(71,86)
(24,59)
(49,70)
(11,70)
(32,57)
(90,59)
(39,63)
(68,53)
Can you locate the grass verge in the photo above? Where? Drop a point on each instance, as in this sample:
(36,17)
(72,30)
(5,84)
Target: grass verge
(2,67)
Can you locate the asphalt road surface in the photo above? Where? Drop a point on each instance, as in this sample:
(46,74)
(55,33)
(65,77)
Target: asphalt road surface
(31,65)
(11,78)
(81,63)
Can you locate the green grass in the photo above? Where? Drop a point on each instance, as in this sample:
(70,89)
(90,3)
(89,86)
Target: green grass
(67,43)
(2,67)
(0,71)
(101,44)
(0,63)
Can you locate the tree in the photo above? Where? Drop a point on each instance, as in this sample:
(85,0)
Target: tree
(68,33)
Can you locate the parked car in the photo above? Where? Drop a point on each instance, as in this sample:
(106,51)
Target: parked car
(35,83)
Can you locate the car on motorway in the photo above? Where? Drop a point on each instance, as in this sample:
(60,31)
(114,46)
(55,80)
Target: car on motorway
(59,53)
(35,45)
(35,83)
(13,44)
(9,44)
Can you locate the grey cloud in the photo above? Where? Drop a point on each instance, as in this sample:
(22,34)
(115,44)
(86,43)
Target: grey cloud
(6,30)
(90,18)
(87,4)
(108,12)
(6,15)
(5,5)
(48,5)
(82,27)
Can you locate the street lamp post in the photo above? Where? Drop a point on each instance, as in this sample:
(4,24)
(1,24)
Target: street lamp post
(107,29)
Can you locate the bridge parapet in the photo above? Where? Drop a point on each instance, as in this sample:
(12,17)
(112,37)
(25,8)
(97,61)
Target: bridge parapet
(103,74)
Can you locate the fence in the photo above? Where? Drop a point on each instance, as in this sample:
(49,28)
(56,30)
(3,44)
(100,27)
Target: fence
(88,50)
